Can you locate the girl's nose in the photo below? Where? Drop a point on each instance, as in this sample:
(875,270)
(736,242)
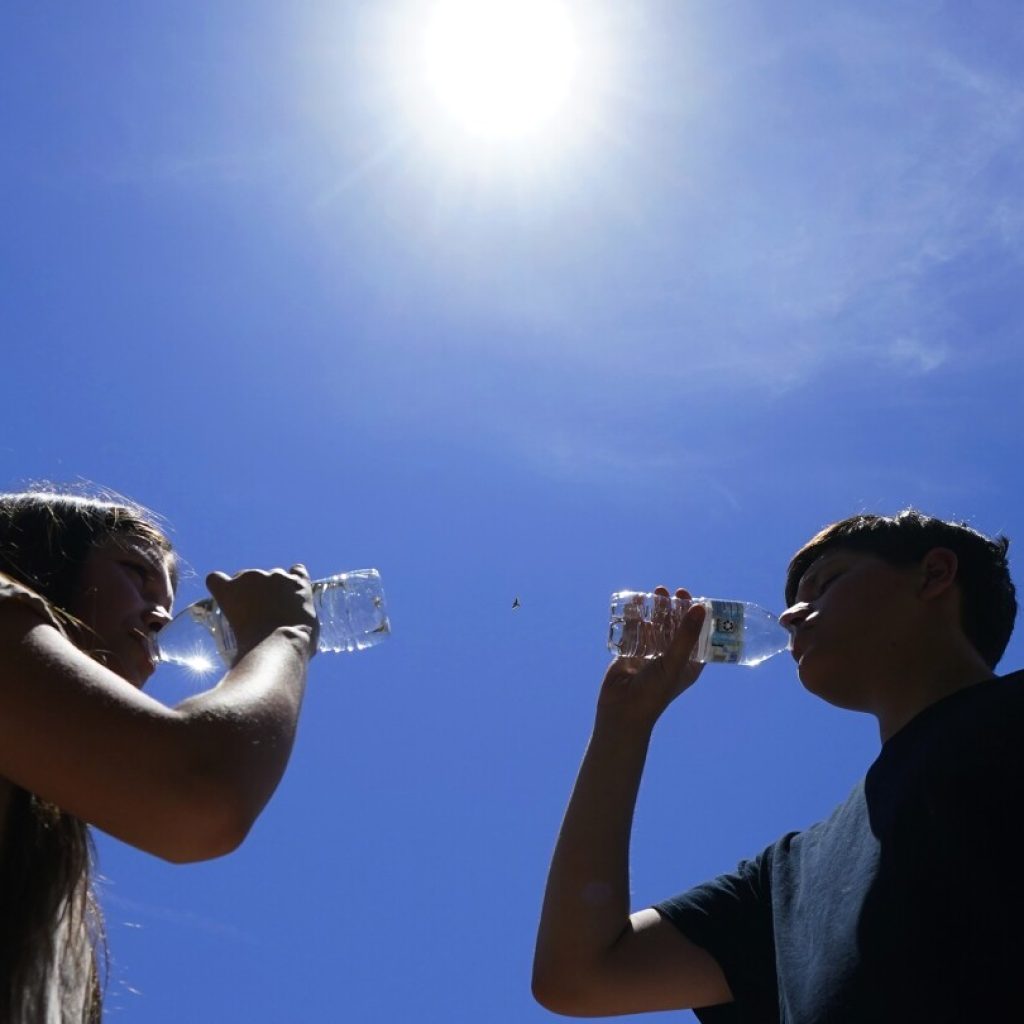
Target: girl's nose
(156,618)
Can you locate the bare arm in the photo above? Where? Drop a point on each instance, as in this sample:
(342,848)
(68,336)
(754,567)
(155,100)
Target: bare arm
(185,783)
(592,957)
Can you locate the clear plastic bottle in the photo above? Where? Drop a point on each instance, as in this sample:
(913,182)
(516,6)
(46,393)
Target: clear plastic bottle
(733,633)
(349,606)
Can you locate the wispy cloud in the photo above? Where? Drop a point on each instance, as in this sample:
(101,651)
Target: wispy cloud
(924,172)
(833,214)
(915,354)
(137,915)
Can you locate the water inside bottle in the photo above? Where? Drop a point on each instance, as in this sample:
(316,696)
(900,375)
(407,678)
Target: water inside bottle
(196,639)
(733,632)
(351,611)
(721,635)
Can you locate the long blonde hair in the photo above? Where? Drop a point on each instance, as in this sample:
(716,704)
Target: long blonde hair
(53,951)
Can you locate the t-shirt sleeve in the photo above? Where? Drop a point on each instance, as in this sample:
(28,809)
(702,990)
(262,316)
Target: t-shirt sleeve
(12,590)
(731,917)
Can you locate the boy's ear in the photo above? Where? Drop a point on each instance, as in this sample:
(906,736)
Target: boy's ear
(938,572)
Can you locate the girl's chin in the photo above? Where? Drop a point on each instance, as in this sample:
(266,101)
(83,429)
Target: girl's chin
(137,673)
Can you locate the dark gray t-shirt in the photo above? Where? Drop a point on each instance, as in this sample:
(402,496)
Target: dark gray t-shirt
(904,906)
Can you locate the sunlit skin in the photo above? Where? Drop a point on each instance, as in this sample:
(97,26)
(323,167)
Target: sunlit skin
(74,718)
(123,599)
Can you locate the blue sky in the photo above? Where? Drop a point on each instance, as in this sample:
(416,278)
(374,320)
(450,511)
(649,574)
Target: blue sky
(769,274)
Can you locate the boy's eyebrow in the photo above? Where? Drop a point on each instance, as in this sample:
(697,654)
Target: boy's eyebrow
(814,569)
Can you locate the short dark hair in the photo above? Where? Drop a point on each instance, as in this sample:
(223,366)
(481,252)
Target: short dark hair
(989,601)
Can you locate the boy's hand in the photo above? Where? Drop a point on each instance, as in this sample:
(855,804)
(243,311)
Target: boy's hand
(639,689)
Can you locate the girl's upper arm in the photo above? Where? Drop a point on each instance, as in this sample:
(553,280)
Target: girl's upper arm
(83,738)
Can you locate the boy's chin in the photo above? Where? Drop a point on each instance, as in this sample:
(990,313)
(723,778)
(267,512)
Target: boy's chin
(816,678)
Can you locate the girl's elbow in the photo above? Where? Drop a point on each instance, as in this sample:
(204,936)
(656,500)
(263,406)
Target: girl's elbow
(205,827)
(208,844)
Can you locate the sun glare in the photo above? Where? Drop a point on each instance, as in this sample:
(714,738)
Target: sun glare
(501,69)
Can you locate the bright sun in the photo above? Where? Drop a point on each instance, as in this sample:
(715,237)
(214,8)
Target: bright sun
(501,69)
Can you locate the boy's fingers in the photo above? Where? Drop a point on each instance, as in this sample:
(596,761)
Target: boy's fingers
(685,639)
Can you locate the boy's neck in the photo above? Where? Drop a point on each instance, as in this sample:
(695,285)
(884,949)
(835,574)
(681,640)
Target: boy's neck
(927,680)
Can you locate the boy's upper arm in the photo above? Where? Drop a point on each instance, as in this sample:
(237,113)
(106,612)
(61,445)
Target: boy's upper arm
(654,966)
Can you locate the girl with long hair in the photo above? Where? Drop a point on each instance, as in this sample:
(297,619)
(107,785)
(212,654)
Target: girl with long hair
(86,584)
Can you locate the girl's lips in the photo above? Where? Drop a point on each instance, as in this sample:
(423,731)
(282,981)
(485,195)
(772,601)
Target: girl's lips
(148,644)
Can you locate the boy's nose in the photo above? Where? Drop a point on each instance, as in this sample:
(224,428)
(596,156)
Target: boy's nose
(793,616)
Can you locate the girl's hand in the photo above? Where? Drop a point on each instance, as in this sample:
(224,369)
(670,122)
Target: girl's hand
(257,602)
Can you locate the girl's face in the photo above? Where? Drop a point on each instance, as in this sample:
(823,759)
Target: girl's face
(124,598)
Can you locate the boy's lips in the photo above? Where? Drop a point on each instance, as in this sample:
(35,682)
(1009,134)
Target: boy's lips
(798,646)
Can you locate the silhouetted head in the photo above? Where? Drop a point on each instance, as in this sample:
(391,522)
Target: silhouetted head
(988,604)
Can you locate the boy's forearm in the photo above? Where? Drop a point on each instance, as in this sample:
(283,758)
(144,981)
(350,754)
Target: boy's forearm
(586,903)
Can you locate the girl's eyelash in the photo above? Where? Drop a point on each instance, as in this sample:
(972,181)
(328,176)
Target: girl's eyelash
(136,567)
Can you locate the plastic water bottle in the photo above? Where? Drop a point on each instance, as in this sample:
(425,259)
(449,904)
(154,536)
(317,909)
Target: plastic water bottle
(349,607)
(733,632)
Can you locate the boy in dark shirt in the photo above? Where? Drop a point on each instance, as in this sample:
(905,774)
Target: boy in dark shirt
(903,905)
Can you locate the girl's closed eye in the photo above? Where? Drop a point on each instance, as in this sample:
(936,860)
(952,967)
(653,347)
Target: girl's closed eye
(137,569)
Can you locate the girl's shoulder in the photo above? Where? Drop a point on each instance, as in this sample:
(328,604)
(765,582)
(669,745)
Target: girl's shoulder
(12,590)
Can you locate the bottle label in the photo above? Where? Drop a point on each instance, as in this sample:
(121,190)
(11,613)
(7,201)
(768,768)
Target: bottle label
(725,640)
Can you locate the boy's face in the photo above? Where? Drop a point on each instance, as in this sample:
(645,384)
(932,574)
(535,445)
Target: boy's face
(851,623)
